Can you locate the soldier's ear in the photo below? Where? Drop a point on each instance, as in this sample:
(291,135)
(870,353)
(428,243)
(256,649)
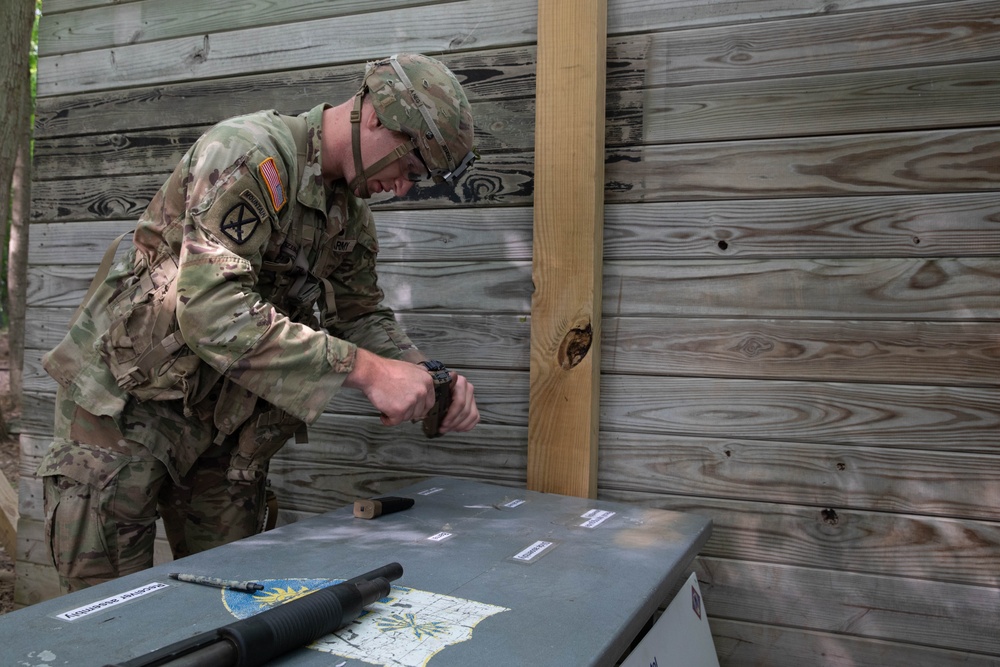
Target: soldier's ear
(372,119)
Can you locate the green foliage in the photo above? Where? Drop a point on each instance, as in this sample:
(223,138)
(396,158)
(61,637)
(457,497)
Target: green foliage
(34,50)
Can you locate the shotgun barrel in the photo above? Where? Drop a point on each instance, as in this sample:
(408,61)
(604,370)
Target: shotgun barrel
(253,641)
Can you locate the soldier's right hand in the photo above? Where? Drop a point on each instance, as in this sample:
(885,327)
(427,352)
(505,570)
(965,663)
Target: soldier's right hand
(400,390)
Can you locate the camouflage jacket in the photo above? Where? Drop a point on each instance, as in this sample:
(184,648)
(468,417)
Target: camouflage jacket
(245,267)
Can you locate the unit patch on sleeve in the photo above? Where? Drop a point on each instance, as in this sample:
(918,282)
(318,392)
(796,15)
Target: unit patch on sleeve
(249,197)
(269,172)
(240,223)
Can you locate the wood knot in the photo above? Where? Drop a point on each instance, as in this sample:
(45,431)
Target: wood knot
(753,346)
(575,346)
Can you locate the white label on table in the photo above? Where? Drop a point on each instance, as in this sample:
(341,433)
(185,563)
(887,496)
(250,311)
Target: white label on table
(534,552)
(431,491)
(101,605)
(595,518)
(440,537)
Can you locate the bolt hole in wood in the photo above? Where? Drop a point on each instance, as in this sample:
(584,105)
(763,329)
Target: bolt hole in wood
(723,245)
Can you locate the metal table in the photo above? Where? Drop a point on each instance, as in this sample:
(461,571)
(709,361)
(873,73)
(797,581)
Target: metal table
(492,575)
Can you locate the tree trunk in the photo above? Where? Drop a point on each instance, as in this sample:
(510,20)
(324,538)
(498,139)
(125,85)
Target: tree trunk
(17,267)
(17,18)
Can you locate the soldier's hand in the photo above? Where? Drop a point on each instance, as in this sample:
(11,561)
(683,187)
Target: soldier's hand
(401,391)
(463,414)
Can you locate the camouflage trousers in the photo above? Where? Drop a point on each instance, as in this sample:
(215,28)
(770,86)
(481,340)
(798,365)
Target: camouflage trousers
(104,494)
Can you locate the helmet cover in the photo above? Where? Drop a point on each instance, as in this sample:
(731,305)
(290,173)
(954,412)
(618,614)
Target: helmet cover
(420,97)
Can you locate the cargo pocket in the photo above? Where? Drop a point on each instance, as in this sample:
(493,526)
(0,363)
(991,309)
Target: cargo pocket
(82,539)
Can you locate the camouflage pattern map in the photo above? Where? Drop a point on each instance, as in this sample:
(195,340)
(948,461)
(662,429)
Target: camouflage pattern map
(405,629)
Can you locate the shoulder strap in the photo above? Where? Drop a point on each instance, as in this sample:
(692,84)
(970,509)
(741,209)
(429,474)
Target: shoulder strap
(297,126)
(99,277)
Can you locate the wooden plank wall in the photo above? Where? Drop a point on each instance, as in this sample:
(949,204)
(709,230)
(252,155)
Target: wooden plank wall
(801,290)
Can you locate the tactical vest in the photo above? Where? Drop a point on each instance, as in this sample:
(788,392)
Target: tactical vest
(149,360)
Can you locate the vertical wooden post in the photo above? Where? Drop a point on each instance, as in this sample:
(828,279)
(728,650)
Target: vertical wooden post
(568,247)
(8,517)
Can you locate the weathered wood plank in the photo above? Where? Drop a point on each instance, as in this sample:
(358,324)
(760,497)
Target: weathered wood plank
(488,451)
(877,289)
(494,76)
(904,162)
(79,26)
(950,289)
(921,35)
(34,583)
(53,7)
(741,643)
(917,352)
(8,516)
(911,418)
(927,353)
(657,15)
(498,180)
(940,97)
(938,483)
(947,616)
(899,289)
(939,225)
(428,29)
(120,153)
(37,410)
(420,235)
(946,419)
(500,394)
(460,341)
(908,417)
(465,287)
(501,125)
(855,41)
(460,287)
(31,541)
(909,98)
(568,256)
(895,163)
(33,447)
(957,551)
(506,124)
(112,24)
(944,225)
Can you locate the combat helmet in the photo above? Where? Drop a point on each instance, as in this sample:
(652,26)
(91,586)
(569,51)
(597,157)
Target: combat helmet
(419,97)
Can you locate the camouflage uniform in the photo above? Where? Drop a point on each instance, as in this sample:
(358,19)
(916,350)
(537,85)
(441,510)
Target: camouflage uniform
(233,319)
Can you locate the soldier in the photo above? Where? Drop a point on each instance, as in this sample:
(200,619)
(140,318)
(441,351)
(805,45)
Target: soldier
(248,299)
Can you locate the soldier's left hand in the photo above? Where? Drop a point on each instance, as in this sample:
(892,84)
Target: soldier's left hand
(463,414)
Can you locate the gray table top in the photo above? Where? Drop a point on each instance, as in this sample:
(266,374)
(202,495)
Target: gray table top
(492,575)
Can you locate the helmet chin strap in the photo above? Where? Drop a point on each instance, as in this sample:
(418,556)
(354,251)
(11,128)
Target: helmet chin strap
(360,182)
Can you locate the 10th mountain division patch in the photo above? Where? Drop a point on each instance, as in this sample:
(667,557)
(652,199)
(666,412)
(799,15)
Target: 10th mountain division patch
(405,629)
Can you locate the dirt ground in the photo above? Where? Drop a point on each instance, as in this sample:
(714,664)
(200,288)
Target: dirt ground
(10,455)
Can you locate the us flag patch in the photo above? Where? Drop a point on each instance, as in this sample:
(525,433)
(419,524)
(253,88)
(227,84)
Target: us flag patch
(269,170)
